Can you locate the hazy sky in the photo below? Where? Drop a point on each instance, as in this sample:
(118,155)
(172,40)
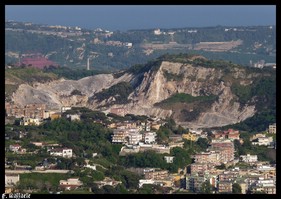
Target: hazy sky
(124,17)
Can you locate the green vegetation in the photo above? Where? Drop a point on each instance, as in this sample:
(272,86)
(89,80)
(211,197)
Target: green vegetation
(72,73)
(119,91)
(263,153)
(29,75)
(206,188)
(242,92)
(42,182)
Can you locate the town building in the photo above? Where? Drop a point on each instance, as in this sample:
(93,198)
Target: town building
(149,137)
(194,182)
(225,186)
(107,181)
(145,181)
(190,136)
(15,147)
(226,149)
(263,141)
(126,136)
(30,121)
(70,184)
(156,174)
(169,159)
(11,179)
(249,158)
(73,117)
(198,168)
(29,110)
(272,128)
(212,157)
(229,134)
(62,152)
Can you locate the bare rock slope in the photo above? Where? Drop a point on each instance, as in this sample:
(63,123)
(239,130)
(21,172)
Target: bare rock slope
(152,86)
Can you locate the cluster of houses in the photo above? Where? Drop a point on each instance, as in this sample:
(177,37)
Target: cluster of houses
(262,176)
(137,136)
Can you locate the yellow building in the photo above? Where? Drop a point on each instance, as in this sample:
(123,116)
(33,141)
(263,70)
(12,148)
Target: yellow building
(30,121)
(55,116)
(189,136)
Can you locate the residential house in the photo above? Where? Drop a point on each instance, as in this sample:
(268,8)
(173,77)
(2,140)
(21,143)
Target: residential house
(266,185)
(30,121)
(229,134)
(156,174)
(15,147)
(169,159)
(263,141)
(149,137)
(65,108)
(145,181)
(256,136)
(70,184)
(54,116)
(93,167)
(11,179)
(107,181)
(249,158)
(272,128)
(63,152)
(73,117)
(225,186)
(190,136)
(39,144)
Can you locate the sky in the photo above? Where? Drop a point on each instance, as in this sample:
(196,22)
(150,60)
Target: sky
(126,17)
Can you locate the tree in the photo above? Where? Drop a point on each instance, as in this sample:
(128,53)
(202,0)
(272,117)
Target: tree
(203,143)
(206,188)
(236,188)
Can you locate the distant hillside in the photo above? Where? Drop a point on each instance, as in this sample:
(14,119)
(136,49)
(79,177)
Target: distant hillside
(119,50)
(17,76)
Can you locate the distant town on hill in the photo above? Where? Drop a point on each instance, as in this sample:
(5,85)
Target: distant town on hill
(114,50)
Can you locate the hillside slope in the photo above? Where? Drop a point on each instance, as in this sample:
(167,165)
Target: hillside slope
(194,91)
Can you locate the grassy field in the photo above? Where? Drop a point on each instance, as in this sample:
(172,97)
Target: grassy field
(53,178)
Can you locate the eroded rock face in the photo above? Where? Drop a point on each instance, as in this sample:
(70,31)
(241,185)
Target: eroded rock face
(155,87)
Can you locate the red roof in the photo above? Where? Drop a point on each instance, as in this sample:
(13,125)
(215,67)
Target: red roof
(37,62)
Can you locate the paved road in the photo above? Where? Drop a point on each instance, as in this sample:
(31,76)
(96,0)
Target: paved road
(35,171)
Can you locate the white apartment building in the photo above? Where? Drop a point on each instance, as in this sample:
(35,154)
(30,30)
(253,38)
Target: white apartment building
(149,137)
(119,136)
(263,141)
(134,138)
(249,158)
(62,152)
